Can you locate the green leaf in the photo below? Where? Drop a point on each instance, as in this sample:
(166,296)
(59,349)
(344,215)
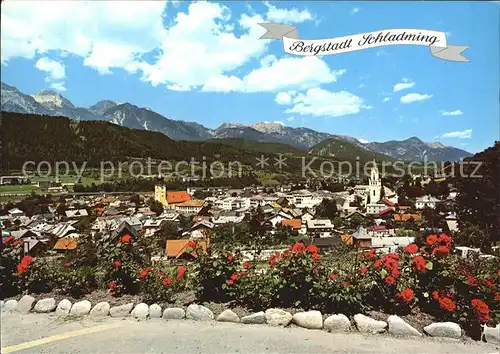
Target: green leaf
(429,265)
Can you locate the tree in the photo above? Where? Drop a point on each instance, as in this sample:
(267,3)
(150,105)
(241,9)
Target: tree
(156,207)
(136,199)
(382,189)
(473,236)
(256,222)
(327,209)
(478,193)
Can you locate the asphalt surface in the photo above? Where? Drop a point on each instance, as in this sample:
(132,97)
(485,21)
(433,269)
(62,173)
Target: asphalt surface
(41,333)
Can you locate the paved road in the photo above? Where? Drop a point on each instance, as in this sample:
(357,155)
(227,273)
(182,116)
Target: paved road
(36,333)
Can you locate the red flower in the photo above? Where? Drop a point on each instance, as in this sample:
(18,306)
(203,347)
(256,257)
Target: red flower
(298,247)
(364,270)
(112,286)
(144,273)
(406,295)
(126,239)
(274,258)
(435,295)
(471,280)
(8,239)
(395,273)
(441,251)
(334,276)
(447,304)
(344,284)
(25,264)
(192,244)
(18,243)
(234,277)
(229,282)
(68,264)
(411,249)
(247,265)
(394,256)
(445,239)
(389,280)
(180,272)
(167,282)
(370,254)
(431,239)
(312,249)
(420,263)
(229,257)
(117,264)
(244,272)
(315,256)
(497,296)
(487,282)
(377,264)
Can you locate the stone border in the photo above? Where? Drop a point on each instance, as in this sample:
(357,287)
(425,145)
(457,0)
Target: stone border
(313,320)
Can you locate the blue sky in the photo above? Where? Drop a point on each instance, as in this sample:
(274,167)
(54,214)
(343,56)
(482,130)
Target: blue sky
(204,62)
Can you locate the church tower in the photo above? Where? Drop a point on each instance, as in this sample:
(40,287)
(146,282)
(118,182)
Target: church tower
(375,185)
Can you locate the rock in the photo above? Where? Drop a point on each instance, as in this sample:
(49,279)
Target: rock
(444,329)
(45,305)
(121,311)
(25,304)
(10,306)
(141,311)
(228,316)
(309,319)
(491,334)
(63,307)
(369,325)
(80,308)
(155,311)
(278,317)
(174,313)
(337,323)
(254,318)
(399,327)
(199,313)
(100,309)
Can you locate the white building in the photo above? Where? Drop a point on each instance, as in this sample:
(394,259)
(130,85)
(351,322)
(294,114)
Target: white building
(426,201)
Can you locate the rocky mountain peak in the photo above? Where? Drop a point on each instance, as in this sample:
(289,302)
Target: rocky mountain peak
(52,100)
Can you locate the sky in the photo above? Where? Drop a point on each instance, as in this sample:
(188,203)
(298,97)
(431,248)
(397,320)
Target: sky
(205,62)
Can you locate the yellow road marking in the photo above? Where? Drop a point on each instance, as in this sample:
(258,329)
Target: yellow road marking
(57,337)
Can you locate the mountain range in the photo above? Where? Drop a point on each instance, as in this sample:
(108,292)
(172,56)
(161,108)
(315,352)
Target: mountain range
(128,115)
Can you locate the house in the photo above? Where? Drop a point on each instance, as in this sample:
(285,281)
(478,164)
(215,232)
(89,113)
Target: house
(177,248)
(387,213)
(379,230)
(169,199)
(307,215)
(16,213)
(66,244)
(355,213)
(189,206)
(125,229)
(151,226)
(294,224)
(319,228)
(426,202)
(390,244)
(406,217)
(76,213)
(326,244)
(228,217)
(276,219)
(361,239)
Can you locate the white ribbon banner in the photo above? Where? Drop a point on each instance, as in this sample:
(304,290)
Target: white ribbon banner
(435,40)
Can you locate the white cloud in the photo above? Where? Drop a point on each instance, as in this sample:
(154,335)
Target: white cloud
(293,15)
(54,69)
(283,98)
(93,30)
(58,86)
(405,84)
(323,103)
(56,72)
(386,99)
(456,112)
(414,97)
(277,76)
(464,134)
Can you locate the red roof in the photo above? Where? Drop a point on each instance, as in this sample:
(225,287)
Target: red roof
(385,211)
(388,202)
(177,197)
(295,224)
(378,228)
